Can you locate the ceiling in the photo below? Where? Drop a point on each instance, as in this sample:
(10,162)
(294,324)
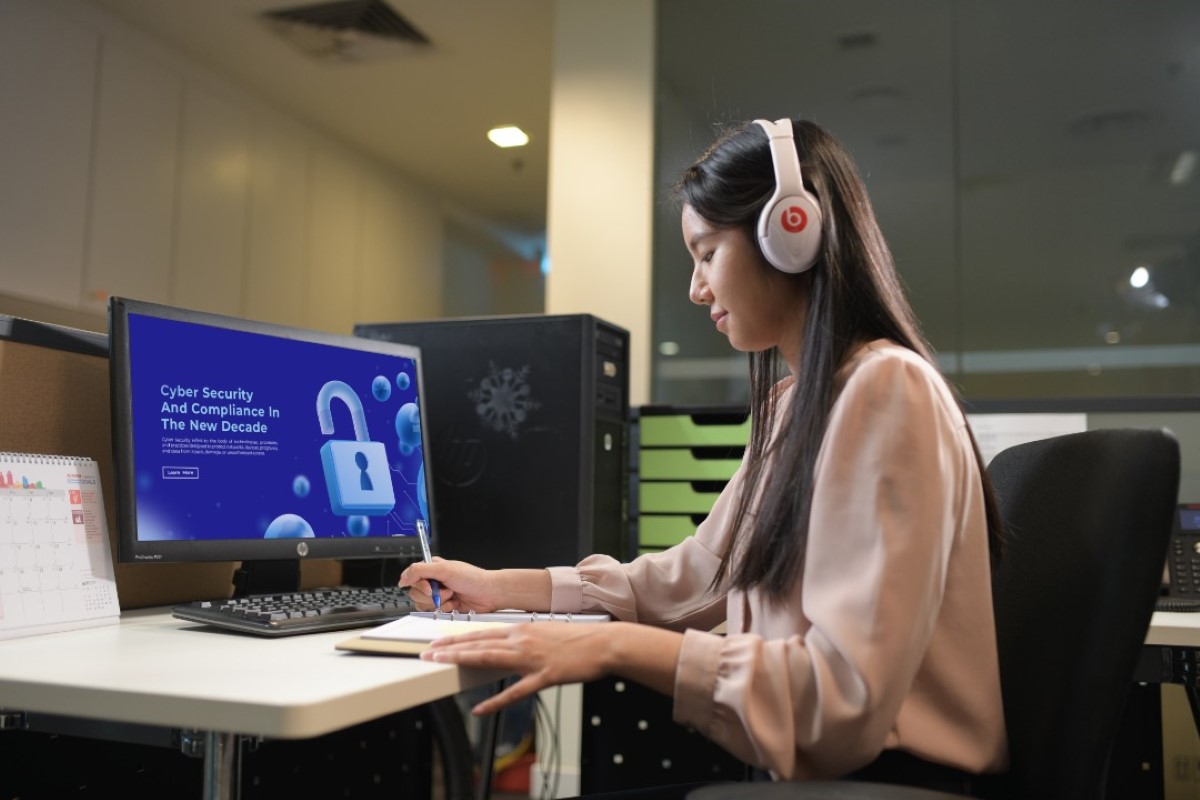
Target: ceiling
(1018,153)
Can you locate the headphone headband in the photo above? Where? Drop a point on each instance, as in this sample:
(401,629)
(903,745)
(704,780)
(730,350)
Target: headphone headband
(789,227)
(788,180)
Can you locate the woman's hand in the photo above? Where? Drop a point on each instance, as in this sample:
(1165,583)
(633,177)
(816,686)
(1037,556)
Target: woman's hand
(464,587)
(543,653)
(547,654)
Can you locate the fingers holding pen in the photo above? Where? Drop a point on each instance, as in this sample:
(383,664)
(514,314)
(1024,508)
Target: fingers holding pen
(419,579)
(461,586)
(421,594)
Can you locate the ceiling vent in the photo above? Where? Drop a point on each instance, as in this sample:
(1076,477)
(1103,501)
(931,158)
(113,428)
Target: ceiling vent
(1112,122)
(347,30)
(857,41)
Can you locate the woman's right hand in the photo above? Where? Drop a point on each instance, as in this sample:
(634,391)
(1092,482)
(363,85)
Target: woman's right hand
(463,587)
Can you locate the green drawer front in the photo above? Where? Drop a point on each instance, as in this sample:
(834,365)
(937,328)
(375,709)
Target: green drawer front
(664,530)
(684,465)
(674,498)
(685,431)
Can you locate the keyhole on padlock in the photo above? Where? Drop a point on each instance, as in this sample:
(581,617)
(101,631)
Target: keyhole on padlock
(364,480)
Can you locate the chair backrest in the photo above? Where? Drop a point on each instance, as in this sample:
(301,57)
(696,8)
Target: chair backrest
(1089,517)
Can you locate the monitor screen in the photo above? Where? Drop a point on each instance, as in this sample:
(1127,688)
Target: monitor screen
(242,441)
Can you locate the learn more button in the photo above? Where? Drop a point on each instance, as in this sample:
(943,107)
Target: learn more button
(181,473)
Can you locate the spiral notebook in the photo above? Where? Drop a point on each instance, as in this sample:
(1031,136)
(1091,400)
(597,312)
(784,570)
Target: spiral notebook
(411,634)
(56,567)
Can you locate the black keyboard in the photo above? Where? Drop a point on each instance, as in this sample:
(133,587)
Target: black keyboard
(300,612)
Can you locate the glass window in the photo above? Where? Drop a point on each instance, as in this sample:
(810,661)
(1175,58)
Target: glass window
(1034,167)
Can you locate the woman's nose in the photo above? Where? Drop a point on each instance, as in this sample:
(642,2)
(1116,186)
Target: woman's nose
(698,291)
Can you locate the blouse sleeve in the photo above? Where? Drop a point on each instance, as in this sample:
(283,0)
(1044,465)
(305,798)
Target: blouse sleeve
(671,589)
(817,686)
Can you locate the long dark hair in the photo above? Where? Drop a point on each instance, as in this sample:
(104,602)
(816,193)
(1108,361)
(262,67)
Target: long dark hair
(854,296)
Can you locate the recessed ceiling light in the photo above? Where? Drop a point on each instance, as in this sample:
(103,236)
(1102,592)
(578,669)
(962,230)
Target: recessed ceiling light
(508,136)
(1182,170)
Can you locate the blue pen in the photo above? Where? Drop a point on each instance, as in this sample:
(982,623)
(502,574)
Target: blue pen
(423,535)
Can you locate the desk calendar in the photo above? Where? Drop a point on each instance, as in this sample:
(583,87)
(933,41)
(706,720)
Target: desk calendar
(56,569)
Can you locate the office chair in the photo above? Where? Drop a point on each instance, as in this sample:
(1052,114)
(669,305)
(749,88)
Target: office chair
(1088,517)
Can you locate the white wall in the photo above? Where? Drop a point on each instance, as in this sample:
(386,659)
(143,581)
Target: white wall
(599,225)
(485,277)
(126,169)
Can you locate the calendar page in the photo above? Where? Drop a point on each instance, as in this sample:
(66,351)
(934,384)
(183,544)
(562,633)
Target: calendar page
(56,569)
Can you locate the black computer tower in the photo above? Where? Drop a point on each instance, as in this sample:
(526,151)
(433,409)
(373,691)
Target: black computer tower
(528,417)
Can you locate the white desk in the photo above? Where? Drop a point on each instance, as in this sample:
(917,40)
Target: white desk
(153,669)
(1171,654)
(1174,629)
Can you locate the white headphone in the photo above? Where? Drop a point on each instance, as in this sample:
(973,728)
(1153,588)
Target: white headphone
(789,227)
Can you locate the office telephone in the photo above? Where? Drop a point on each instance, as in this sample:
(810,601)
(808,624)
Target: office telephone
(1182,587)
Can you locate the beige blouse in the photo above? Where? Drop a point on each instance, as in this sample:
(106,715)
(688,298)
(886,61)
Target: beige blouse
(887,641)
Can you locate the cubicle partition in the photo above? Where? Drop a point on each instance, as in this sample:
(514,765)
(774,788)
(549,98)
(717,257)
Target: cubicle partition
(54,398)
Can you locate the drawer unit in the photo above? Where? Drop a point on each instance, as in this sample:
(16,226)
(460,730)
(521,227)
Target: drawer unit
(677,497)
(682,459)
(690,429)
(679,461)
(689,463)
(659,531)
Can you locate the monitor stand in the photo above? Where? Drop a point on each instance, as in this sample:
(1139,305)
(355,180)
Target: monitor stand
(267,577)
(373,572)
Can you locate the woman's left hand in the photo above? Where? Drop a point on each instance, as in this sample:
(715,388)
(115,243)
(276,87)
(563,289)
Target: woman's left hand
(543,653)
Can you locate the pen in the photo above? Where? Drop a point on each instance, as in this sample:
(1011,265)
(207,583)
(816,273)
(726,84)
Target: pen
(423,535)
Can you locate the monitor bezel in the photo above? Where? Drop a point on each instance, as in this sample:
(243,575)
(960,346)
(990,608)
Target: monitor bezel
(131,550)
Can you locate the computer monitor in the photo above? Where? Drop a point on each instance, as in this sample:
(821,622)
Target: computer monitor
(245,441)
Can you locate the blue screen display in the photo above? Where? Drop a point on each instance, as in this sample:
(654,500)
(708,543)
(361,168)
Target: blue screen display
(241,435)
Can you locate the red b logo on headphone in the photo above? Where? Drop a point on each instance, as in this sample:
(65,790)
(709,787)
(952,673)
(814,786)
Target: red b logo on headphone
(793,219)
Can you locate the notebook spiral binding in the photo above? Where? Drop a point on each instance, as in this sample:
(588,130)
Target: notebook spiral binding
(512,616)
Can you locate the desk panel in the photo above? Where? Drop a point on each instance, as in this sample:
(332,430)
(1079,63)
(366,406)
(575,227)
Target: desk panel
(156,670)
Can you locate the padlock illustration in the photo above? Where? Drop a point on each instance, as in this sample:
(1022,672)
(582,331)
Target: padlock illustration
(357,473)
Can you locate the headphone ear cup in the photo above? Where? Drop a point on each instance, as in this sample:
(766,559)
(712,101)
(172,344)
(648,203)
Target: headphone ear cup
(789,233)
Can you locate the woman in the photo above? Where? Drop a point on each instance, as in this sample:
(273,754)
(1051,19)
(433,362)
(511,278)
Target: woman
(849,557)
